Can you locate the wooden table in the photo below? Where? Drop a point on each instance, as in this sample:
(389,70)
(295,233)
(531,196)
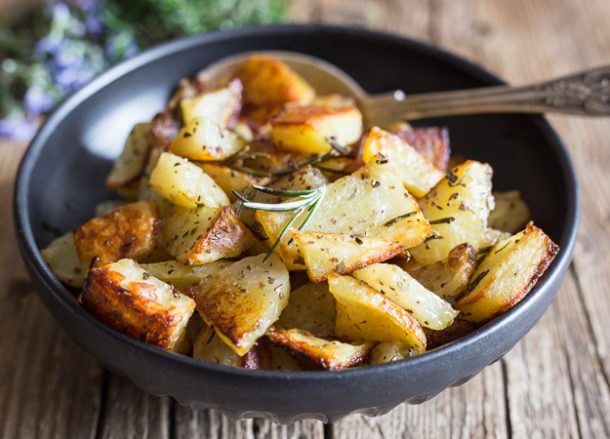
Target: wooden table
(554,383)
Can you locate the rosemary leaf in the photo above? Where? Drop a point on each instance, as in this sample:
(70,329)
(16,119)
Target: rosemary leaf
(284,192)
(283,233)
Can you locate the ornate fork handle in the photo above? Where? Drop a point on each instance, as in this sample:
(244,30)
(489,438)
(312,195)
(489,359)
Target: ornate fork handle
(586,94)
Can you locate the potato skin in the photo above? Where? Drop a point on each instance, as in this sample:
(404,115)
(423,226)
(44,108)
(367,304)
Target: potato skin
(431,142)
(129,231)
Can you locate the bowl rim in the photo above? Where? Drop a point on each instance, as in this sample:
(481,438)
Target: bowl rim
(62,296)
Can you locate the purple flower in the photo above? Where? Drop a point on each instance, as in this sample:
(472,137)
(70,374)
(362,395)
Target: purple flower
(48,45)
(17,128)
(94,25)
(61,12)
(74,77)
(36,101)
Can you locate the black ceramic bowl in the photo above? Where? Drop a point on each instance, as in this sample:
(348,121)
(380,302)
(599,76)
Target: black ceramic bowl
(62,174)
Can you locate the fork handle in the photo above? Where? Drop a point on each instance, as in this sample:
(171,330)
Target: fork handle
(585,94)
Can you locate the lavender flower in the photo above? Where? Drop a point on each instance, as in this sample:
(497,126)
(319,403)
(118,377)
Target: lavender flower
(37,101)
(17,128)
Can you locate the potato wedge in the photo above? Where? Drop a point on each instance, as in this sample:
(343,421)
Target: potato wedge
(129,231)
(312,308)
(203,235)
(282,360)
(243,300)
(268,84)
(507,274)
(429,309)
(183,276)
(363,203)
(259,356)
(460,328)
(230,180)
(510,213)
(431,142)
(388,352)
(218,106)
(457,208)
(185,184)
(491,238)
(124,296)
(328,354)
(164,127)
(383,149)
(201,139)
(364,313)
(63,260)
(326,253)
(309,130)
(132,161)
(448,278)
(209,347)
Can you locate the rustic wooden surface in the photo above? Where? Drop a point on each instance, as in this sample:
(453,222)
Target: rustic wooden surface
(554,383)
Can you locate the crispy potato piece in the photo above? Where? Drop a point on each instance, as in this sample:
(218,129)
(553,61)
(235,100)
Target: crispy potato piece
(219,106)
(387,352)
(183,276)
(491,238)
(329,354)
(369,202)
(448,278)
(326,253)
(132,161)
(145,192)
(268,84)
(457,208)
(309,130)
(185,184)
(129,191)
(63,260)
(164,127)
(364,313)
(203,235)
(507,274)
(510,213)
(460,328)
(243,300)
(105,207)
(209,347)
(231,180)
(312,308)
(201,139)
(259,356)
(333,100)
(383,149)
(282,360)
(429,309)
(127,298)
(129,231)
(431,142)
(338,167)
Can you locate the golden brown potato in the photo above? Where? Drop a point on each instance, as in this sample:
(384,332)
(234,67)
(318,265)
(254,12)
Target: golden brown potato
(282,360)
(201,139)
(185,184)
(333,101)
(105,207)
(507,274)
(491,238)
(364,313)
(385,150)
(387,352)
(129,231)
(209,347)
(429,309)
(203,235)
(510,213)
(312,308)
(183,276)
(230,180)
(130,165)
(326,253)
(218,106)
(447,278)
(431,142)
(328,354)
(259,356)
(243,300)
(127,298)
(457,208)
(309,130)
(268,84)
(63,260)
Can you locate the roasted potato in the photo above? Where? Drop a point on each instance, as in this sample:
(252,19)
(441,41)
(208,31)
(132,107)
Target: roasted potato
(333,101)
(63,260)
(312,308)
(105,207)
(309,130)
(218,106)
(203,235)
(325,253)
(458,329)
(129,299)
(447,278)
(364,313)
(510,213)
(505,276)
(129,231)
(268,84)
(130,165)
(282,360)
(387,352)
(491,238)
(230,180)
(183,276)
(201,139)
(185,184)
(243,300)
(328,354)
(209,347)
(385,150)
(429,309)
(457,208)
(431,142)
